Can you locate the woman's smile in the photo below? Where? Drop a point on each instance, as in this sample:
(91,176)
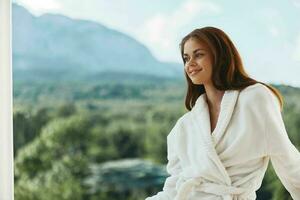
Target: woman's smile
(195,71)
(198,61)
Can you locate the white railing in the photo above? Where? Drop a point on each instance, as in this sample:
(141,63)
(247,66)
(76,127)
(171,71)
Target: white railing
(6,125)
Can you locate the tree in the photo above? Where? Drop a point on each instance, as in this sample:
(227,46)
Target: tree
(61,147)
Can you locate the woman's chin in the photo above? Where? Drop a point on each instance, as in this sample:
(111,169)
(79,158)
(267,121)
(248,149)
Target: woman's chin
(197,82)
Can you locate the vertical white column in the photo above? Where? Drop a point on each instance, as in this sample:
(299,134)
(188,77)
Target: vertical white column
(6,125)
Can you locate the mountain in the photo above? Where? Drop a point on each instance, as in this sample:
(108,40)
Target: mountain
(57,47)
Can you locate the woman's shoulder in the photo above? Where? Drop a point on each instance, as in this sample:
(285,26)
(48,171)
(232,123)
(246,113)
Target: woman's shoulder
(258,94)
(256,89)
(180,123)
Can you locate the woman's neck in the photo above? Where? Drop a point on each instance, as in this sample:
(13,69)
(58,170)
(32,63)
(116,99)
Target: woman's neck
(213,97)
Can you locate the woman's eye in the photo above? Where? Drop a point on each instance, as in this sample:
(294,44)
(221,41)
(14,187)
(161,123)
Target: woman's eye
(199,55)
(185,59)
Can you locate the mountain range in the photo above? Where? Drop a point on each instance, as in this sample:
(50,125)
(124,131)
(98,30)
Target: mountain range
(52,47)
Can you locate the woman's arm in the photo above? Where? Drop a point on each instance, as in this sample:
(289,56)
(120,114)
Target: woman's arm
(173,168)
(284,155)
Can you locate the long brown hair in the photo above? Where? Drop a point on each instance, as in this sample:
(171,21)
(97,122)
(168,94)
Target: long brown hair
(228,72)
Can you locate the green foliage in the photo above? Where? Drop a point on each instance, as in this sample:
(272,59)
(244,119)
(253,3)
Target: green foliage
(66,110)
(62,130)
(60,148)
(56,183)
(27,126)
(60,137)
(117,140)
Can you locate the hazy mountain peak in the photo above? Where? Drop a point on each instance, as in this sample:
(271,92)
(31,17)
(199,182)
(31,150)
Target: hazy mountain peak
(57,43)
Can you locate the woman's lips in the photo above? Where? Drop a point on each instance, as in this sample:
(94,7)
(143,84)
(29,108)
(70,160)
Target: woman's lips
(195,72)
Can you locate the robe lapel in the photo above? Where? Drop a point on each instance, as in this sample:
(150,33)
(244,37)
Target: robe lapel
(227,107)
(201,119)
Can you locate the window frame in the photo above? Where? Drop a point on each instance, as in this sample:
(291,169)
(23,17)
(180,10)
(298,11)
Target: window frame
(6,104)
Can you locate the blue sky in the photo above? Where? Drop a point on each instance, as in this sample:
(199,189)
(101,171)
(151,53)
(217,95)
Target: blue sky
(266,33)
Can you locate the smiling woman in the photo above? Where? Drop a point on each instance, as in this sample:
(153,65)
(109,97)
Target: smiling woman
(220,149)
(6,154)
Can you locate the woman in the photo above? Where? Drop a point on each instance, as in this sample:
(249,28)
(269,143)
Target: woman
(221,148)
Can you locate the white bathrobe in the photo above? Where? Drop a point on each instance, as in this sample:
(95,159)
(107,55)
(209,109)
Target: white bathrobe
(230,162)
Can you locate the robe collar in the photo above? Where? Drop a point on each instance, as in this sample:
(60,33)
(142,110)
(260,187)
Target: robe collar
(201,119)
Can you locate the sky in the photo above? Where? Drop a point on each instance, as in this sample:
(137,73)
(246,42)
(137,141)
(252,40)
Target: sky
(266,33)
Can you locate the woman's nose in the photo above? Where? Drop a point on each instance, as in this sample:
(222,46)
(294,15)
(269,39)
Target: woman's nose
(191,62)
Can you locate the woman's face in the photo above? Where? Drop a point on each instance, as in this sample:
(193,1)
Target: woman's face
(198,61)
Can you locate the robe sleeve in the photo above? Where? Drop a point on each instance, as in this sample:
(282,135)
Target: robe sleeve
(285,157)
(173,168)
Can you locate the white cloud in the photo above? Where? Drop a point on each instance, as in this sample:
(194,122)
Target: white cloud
(38,7)
(274,31)
(160,31)
(296,53)
(296,3)
(273,20)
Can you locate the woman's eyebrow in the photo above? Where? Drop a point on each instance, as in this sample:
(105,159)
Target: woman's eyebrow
(194,51)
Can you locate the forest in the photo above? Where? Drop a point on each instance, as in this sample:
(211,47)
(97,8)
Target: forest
(106,139)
